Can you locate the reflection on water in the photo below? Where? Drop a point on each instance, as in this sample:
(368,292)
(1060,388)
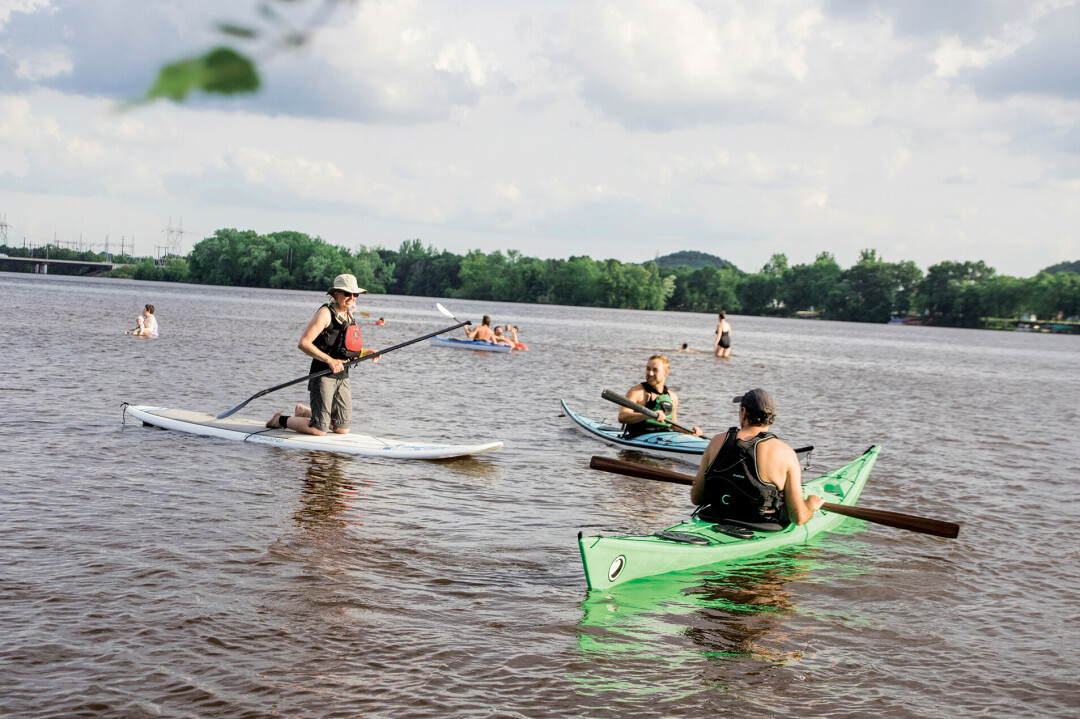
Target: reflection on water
(328,500)
(686,632)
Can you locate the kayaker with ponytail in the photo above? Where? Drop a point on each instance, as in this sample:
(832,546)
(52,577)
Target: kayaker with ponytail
(326,341)
(483,333)
(653,394)
(749,476)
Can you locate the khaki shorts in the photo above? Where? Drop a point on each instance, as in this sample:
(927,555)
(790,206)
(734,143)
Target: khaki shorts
(331,403)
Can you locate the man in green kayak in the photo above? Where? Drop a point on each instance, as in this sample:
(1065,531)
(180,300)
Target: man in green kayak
(749,476)
(654,395)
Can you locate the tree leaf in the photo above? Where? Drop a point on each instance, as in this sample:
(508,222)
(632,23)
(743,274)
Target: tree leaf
(238,31)
(228,72)
(222,70)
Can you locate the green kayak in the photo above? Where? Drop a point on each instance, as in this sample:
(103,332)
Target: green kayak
(613,560)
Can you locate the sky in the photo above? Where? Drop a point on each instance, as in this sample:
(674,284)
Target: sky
(623,129)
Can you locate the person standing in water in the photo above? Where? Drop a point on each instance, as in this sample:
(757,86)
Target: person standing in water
(323,341)
(722,346)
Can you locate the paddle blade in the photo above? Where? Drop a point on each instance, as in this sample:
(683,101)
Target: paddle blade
(641,471)
(628,403)
(896,519)
(448,313)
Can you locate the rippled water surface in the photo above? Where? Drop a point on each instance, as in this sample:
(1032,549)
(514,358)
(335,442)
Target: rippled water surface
(149,573)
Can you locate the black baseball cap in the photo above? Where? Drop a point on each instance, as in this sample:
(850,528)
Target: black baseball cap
(756,401)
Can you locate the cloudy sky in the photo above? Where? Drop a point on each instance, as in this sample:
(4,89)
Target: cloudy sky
(928,131)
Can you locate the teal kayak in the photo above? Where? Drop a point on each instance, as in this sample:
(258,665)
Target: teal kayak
(610,561)
(657,444)
(672,445)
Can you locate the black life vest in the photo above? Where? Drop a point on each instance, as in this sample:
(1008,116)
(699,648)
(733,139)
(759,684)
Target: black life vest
(733,487)
(662,401)
(340,339)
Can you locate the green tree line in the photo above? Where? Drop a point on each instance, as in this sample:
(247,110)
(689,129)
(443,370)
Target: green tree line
(960,294)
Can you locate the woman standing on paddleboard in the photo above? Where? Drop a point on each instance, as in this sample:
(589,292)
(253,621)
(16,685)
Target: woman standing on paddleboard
(325,341)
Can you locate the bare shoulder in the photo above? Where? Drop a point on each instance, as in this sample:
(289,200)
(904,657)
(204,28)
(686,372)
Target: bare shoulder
(635,391)
(777,450)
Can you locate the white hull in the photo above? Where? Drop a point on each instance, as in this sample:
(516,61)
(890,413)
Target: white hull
(248,430)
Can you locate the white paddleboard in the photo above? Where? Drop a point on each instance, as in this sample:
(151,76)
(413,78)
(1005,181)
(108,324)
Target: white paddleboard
(249,430)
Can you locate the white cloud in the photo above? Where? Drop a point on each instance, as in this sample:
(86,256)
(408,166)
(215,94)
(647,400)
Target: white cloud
(558,128)
(43,64)
(8,7)
(676,62)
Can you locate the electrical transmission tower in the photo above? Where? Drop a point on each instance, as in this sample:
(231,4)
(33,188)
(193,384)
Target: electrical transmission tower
(174,236)
(3,229)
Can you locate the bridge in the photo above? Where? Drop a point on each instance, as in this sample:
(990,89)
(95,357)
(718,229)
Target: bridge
(41,264)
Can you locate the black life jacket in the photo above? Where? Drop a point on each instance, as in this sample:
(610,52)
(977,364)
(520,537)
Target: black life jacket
(733,487)
(662,401)
(340,339)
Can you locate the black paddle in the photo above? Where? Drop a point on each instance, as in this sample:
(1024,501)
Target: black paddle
(631,404)
(879,516)
(371,356)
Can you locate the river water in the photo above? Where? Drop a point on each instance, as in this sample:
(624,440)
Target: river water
(148,573)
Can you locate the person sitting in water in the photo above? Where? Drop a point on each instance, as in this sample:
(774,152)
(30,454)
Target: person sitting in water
(380,321)
(483,332)
(684,348)
(147,324)
(652,394)
(513,332)
(749,476)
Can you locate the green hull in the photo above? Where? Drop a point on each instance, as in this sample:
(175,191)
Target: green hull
(614,560)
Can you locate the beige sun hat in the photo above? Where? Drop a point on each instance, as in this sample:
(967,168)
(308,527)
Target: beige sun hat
(346,283)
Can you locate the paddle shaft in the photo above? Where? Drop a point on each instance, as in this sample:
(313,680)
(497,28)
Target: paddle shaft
(877,516)
(328,370)
(631,404)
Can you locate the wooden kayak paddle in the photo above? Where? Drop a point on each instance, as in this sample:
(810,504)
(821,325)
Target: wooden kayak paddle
(909,522)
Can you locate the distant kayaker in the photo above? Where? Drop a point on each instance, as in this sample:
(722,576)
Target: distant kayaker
(722,345)
(380,321)
(146,324)
(324,341)
(483,332)
(749,475)
(654,395)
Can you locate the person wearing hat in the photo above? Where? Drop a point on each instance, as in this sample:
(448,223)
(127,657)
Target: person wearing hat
(748,476)
(322,340)
(652,394)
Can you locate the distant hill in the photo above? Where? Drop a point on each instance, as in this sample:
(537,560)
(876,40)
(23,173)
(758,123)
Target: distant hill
(692,259)
(1064,267)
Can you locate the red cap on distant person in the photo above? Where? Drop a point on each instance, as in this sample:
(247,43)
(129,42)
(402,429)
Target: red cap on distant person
(756,401)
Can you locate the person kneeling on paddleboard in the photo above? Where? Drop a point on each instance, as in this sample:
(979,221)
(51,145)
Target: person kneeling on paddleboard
(748,476)
(654,395)
(331,338)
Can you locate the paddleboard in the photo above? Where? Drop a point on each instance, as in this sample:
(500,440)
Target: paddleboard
(469,345)
(249,430)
